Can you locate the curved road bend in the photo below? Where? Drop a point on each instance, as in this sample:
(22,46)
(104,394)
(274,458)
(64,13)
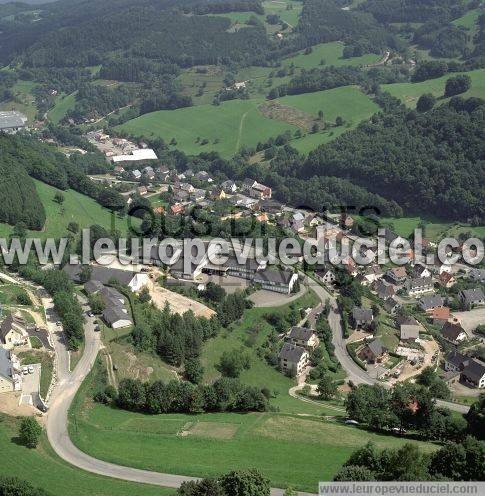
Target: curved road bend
(57,423)
(354,372)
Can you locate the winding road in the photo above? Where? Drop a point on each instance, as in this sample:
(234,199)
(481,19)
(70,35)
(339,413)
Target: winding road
(69,383)
(57,420)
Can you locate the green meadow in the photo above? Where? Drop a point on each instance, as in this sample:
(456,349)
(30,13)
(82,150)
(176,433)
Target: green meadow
(227,127)
(238,123)
(329,54)
(23,100)
(62,106)
(409,93)
(76,208)
(43,468)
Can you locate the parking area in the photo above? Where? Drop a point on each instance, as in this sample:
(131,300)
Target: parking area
(30,386)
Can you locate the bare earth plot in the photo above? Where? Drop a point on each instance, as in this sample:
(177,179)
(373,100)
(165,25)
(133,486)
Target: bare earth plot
(290,115)
(178,303)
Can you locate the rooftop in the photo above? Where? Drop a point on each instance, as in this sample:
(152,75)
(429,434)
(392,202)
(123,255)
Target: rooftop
(12,119)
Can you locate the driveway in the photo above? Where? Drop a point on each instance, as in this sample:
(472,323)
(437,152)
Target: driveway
(30,387)
(264,298)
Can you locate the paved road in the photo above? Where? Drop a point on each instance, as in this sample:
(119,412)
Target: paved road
(57,422)
(354,372)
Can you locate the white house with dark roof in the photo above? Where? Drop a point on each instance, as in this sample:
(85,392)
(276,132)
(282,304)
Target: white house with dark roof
(293,359)
(474,374)
(420,285)
(456,361)
(472,297)
(430,302)
(13,332)
(117,317)
(304,337)
(10,372)
(280,281)
(454,333)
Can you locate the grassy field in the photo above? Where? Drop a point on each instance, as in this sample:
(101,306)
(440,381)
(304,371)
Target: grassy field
(227,127)
(23,100)
(347,102)
(63,104)
(469,20)
(43,468)
(409,93)
(287,10)
(239,123)
(290,450)
(330,54)
(433,230)
(76,207)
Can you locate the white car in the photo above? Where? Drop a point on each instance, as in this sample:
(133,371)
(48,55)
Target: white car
(31,369)
(25,370)
(351,422)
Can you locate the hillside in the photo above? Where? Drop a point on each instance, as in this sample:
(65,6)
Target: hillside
(243,123)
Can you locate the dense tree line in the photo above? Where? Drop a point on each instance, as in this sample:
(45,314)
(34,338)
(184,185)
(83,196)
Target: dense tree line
(225,6)
(425,162)
(58,285)
(318,80)
(224,395)
(464,461)
(443,41)
(406,406)
(414,10)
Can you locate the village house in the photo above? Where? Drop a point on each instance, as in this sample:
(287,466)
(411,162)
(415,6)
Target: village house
(453,333)
(410,332)
(472,297)
(293,359)
(373,352)
(136,174)
(420,270)
(446,280)
(327,276)
(474,374)
(280,281)
(177,209)
(397,275)
(304,337)
(429,303)
(117,317)
(391,306)
(142,190)
(229,187)
(256,190)
(440,315)
(13,332)
(371,275)
(298,222)
(477,275)
(346,221)
(362,317)
(197,195)
(218,194)
(419,286)
(135,281)
(384,290)
(456,361)
(203,177)
(10,372)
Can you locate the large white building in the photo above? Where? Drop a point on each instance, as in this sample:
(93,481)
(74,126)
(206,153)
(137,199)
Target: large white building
(10,372)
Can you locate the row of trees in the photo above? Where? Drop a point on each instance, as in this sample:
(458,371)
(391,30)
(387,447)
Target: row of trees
(464,461)
(406,406)
(224,395)
(57,284)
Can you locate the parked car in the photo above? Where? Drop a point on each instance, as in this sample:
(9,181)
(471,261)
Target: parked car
(351,422)
(25,370)
(31,369)
(90,314)
(58,323)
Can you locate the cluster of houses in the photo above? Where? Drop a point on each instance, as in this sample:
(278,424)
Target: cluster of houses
(294,357)
(115,313)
